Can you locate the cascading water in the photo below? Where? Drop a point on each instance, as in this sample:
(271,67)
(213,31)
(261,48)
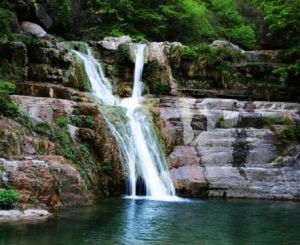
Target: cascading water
(140,152)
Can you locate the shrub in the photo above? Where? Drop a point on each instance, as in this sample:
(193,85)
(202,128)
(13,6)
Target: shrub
(8,199)
(61,12)
(107,166)
(86,122)
(214,64)
(43,128)
(7,108)
(286,136)
(62,121)
(220,123)
(5,30)
(158,87)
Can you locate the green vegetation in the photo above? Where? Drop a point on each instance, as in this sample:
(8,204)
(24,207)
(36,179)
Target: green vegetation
(158,87)
(283,19)
(5,28)
(220,123)
(61,12)
(7,108)
(83,122)
(188,21)
(107,167)
(8,199)
(62,121)
(213,64)
(65,146)
(286,136)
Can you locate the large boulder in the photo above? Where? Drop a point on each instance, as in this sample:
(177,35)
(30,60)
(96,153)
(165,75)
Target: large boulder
(33,29)
(112,43)
(57,183)
(223,43)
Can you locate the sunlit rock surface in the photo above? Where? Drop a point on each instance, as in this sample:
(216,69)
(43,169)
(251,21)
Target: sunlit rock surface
(222,147)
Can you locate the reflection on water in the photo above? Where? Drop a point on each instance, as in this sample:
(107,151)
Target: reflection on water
(127,221)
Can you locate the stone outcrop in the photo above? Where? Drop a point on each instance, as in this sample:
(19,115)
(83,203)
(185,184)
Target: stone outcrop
(29,214)
(113,43)
(223,43)
(50,181)
(224,148)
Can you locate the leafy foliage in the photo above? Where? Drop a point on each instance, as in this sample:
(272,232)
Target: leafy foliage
(8,199)
(213,63)
(188,21)
(7,108)
(107,167)
(5,28)
(220,123)
(283,19)
(62,14)
(158,87)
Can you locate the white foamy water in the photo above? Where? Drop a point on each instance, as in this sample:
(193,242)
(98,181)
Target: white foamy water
(140,152)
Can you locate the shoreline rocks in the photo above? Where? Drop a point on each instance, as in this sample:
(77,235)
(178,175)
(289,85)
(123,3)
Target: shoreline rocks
(28,214)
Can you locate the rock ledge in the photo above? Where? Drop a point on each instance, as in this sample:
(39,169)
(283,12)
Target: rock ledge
(11,215)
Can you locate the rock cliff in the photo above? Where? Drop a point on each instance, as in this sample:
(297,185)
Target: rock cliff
(231,145)
(230,148)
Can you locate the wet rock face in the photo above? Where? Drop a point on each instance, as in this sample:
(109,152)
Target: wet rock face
(222,147)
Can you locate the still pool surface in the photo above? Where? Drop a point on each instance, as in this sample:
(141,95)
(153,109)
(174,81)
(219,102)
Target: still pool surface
(126,221)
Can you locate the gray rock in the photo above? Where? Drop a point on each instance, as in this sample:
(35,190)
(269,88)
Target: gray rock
(33,29)
(223,43)
(240,160)
(12,215)
(112,43)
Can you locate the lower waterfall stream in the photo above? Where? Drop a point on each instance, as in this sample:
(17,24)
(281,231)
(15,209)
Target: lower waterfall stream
(140,152)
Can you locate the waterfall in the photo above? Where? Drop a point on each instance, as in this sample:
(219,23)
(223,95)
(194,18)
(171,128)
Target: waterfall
(140,151)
